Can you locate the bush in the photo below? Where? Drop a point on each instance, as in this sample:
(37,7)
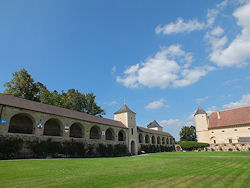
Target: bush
(221,149)
(112,150)
(192,145)
(74,149)
(9,147)
(212,149)
(248,149)
(45,148)
(153,148)
(230,149)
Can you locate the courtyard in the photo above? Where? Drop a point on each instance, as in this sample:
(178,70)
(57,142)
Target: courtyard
(176,169)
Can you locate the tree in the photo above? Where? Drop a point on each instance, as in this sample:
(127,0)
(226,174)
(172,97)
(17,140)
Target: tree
(23,85)
(91,107)
(188,133)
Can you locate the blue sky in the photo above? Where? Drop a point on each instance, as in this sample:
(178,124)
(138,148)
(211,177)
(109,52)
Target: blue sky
(163,57)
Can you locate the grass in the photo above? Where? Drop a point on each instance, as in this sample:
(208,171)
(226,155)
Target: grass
(189,169)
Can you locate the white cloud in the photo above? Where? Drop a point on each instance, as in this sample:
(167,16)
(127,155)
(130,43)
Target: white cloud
(200,100)
(244,101)
(157,104)
(111,103)
(113,69)
(169,67)
(238,51)
(174,125)
(211,109)
(180,26)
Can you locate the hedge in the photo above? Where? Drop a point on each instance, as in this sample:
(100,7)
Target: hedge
(192,145)
(9,147)
(154,148)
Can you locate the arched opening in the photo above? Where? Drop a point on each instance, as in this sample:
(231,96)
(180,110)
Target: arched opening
(158,140)
(153,140)
(163,140)
(76,131)
(21,123)
(121,136)
(147,139)
(167,140)
(133,147)
(140,138)
(95,132)
(109,134)
(52,127)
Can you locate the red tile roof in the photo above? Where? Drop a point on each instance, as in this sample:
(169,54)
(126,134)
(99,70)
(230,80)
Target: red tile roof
(237,116)
(9,100)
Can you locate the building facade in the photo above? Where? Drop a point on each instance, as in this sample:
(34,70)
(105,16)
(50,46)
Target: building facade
(227,128)
(31,120)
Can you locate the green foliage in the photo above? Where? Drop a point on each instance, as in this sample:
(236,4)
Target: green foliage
(230,149)
(188,133)
(46,148)
(74,149)
(23,85)
(42,149)
(221,149)
(150,148)
(9,147)
(192,145)
(112,150)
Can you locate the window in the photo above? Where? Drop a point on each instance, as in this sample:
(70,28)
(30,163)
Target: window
(132,131)
(212,131)
(230,140)
(235,129)
(248,128)
(222,131)
(214,141)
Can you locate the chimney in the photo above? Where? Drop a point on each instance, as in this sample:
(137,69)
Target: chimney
(218,114)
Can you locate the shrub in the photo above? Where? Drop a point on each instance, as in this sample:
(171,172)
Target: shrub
(248,149)
(9,147)
(153,148)
(221,149)
(237,149)
(120,150)
(192,145)
(230,149)
(212,149)
(74,149)
(45,148)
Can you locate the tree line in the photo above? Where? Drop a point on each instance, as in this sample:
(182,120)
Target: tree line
(23,85)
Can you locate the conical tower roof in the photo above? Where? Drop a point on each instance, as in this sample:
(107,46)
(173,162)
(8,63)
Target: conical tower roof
(154,124)
(123,109)
(200,111)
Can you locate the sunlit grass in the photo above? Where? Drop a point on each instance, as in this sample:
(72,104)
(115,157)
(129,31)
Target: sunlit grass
(189,169)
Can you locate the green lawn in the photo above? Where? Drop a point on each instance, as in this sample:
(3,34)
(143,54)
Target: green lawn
(190,169)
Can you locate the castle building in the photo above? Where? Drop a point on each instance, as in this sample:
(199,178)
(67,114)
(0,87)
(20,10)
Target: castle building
(226,127)
(31,120)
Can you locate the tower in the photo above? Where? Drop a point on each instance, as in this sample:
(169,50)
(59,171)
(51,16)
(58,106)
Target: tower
(128,118)
(201,121)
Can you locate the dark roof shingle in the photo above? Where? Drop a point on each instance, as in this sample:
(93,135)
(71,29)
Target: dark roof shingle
(9,100)
(154,124)
(143,129)
(123,109)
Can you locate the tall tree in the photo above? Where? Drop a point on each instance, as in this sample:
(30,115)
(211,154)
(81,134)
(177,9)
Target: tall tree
(23,85)
(188,133)
(91,107)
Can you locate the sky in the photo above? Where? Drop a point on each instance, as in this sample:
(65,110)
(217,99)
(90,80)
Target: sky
(162,58)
